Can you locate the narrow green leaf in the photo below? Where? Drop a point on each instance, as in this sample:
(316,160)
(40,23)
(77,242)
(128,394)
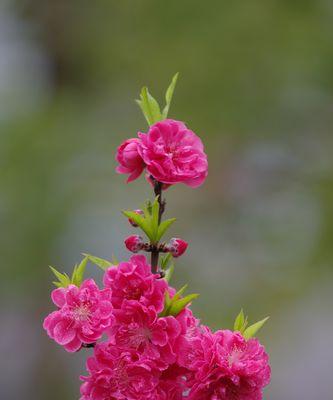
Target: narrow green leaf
(169,94)
(100,262)
(179,293)
(165,261)
(64,279)
(78,272)
(167,304)
(149,107)
(239,321)
(163,227)
(169,272)
(179,305)
(253,329)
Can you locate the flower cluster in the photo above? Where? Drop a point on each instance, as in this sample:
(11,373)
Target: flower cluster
(148,345)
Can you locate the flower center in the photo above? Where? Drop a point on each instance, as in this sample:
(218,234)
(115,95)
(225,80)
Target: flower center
(82,312)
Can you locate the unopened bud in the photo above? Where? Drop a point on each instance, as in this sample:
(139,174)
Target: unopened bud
(177,247)
(134,243)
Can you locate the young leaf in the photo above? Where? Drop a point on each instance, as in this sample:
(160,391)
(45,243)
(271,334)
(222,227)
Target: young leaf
(179,293)
(165,261)
(142,222)
(239,321)
(167,304)
(253,329)
(78,272)
(163,227)
(169,272)
(169,94)
(64,279)
(179,305)
(100,262)
(149,106)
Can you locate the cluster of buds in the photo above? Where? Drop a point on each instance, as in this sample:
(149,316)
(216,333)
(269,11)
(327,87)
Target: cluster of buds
(175,246)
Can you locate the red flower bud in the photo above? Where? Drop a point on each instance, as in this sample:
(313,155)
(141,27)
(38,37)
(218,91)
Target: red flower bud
(177,247)
(139,212)
(134,243)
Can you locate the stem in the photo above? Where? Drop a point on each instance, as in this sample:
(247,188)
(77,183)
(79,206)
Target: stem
(155,250)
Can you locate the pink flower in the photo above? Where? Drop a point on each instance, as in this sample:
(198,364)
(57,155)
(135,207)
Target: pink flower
(133,280)
(227,367)
(83,316)
(130,161)
(118,375)
(177,247)
(134,243)
(139,328)
(173,154)
(172,384)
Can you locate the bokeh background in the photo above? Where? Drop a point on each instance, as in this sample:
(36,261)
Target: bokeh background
(256,83)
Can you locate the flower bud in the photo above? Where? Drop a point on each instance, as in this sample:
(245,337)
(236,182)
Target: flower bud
(177,247)
(139,212)
(134,243)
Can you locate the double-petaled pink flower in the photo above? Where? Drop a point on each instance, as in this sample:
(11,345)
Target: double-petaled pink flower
(84,314)
(170,152)
(119,375)
(133,280)
(140,328)
(227,366)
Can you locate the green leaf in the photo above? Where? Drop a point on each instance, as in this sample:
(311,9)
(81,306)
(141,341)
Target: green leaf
(100,262)
(149,106)
(239,321)
(253,329)
(78,273)
(64,279)
(169,272)
(169,94)
(173,306)
(179,293)
(142,222)
(179,305)
(165,261)
(163,227)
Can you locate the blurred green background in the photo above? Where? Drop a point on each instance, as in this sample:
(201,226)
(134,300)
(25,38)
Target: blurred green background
(256,83)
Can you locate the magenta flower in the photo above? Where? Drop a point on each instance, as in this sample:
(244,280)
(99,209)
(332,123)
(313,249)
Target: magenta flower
(83,316)
(130,161)
(139,328)
(118,375)
(173,154)
(227,366)
(133,280)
